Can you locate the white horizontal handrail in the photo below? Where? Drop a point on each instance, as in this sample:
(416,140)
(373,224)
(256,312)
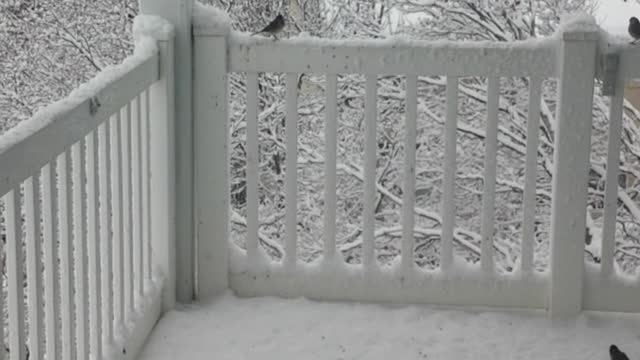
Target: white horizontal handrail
(393,56)
(27,147)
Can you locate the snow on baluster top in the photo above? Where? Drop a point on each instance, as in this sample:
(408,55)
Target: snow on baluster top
(154,27)
(209,20)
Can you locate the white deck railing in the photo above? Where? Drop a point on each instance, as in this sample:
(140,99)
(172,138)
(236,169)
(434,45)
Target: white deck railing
(92,193)
(77,182)
(572,56)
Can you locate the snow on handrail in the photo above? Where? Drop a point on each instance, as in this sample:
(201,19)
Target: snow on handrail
(395,55)
(31,144)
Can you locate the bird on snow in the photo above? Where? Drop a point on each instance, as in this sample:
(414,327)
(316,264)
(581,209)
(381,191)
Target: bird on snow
(274,27)
(634,29)
(614,352)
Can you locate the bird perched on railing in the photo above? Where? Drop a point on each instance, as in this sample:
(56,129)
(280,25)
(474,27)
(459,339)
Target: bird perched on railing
(634,29)
(614,352)
(273,28)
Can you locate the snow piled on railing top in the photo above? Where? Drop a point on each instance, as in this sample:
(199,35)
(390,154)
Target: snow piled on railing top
(577,22)
(210,20)
(149,28)
(152,26)
(583,26)
(244,38)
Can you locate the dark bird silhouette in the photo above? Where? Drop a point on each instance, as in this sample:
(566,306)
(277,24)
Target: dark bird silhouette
(274,27)
(634,29)
(614,352)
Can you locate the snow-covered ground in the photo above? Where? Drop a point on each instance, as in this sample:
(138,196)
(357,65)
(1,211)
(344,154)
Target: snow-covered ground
(268,328)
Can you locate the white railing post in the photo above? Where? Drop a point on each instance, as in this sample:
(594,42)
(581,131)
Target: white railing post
(162,163)
(211,152)
(577,58)
(179,13)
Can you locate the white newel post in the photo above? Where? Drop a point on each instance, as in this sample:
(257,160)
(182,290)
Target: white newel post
(211,152)
(577,58)
(179,13)
(162,167)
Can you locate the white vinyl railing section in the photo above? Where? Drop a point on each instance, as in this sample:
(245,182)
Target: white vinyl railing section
(94,187)
(87,244)
(572,56)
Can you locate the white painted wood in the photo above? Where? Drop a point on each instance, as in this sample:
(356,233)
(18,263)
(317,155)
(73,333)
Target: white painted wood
(490,164)
(93,245)
(106,243)
(15,275)
(136,150)
(146,181)
(381,57)
(59,130)
(449,170)
(346,284)
(370,178)
(531,163)
(65,217)
(211,164)
(51,275)
(409,185)
(252,167)
(607,71)
(331,145)
(611,181)
(629,58)
(291,174)
(179,14)
(118,221)
(127,191)
(3,305)
(117,174)
(578,54)
(80,248)
(598,292)
(59,326)
(163,172)
(35,285)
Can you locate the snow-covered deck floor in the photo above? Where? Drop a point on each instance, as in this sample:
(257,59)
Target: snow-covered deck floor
(269,328)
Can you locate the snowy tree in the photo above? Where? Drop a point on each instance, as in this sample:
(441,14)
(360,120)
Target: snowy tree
(48,48)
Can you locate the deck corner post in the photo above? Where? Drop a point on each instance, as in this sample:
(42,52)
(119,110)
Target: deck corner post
(577,61)
(211,138)
(162,170)
(180,245)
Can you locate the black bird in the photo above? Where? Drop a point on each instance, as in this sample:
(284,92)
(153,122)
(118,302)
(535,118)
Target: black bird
(634,29)
(273,28)
(614,352)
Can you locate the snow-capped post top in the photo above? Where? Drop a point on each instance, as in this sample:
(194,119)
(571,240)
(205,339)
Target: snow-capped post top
(209,20)
(579,27)
(152,26)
